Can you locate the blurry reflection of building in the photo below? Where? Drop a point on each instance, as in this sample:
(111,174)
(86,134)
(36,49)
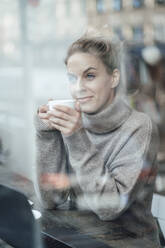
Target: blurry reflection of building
(33,41)
(70,17)
(51,27)
(132,20)
(141,24)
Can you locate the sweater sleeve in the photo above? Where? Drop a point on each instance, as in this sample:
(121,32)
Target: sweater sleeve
(51,158)
(110,187)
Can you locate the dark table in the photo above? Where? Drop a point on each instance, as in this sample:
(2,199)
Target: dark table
(76,228)
(82,229)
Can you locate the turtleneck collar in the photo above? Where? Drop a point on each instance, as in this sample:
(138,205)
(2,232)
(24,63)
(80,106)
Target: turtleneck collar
(109,118)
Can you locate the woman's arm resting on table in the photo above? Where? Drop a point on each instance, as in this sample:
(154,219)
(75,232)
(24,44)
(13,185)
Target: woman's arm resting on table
(51,158)
(110,188)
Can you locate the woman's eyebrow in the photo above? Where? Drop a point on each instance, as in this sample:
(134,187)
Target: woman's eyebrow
(90,68)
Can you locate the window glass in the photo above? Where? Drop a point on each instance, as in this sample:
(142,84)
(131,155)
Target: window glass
(118,32)
(117,5)
(68,7)
(83,4)
(100,6)
(159,32)
(138,3)
(160,2)
(138,33)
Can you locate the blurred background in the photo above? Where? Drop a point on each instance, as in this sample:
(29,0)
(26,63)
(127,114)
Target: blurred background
(34,37)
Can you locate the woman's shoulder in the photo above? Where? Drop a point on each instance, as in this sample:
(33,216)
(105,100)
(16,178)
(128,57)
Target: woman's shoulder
(139,133)
(140,119)
(142,123)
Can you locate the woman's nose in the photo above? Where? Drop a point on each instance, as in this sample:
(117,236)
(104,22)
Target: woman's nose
(79,85)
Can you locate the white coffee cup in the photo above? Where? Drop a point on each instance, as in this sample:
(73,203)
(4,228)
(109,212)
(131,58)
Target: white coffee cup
(68,102)
(36,214)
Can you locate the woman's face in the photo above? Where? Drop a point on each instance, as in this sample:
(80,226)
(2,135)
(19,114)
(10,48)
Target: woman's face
(90,83)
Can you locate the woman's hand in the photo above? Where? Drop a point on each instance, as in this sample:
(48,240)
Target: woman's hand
(66,119)
(43,114)
(54,181)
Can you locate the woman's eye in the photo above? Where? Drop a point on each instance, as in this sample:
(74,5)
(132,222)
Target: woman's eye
(90,76)
(72,78)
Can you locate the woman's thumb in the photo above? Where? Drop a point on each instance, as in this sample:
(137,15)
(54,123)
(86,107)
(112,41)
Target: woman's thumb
(77,106)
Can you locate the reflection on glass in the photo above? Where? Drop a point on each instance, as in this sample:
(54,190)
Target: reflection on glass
(138,33)
(118,32)
(117,5)
(100,6)
(161,2)
(138,3)
(48,34)
(159,32)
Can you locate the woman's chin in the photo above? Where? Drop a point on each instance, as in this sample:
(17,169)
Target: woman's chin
(88,109)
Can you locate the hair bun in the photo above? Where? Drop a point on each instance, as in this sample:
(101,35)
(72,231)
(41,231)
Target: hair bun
(94,32)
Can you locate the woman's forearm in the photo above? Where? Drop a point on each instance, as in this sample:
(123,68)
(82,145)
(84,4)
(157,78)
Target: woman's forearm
(51,158)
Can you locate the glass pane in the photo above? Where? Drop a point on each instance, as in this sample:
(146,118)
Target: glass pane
(138,33)
(118,32)
(117,5)
(160,2)
(159,32)
(138,3)
(100,6)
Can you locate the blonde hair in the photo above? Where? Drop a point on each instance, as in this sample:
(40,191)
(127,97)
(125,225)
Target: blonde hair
(102,46)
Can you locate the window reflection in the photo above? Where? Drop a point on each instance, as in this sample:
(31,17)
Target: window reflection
(100,6)
(138,33)
(159,32)
(161,2)
(29,77)
(138,3)
(117,5)
(118,32)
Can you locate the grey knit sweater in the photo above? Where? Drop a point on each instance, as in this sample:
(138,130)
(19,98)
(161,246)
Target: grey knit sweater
(112,165)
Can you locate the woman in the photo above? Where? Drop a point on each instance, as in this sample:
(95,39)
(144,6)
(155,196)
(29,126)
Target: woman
(102,154)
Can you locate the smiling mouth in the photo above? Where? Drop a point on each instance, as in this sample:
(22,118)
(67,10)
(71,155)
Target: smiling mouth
(84,99)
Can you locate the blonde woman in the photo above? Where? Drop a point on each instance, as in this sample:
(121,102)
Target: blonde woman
(102,153)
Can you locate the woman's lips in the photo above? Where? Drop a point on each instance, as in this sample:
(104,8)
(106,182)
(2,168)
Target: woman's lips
(84,99)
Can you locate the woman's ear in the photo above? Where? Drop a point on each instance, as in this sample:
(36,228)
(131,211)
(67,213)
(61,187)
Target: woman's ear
(115,78)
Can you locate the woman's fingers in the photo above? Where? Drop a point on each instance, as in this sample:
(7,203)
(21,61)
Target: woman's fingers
(65,119)
(58,114)
(42,112)
(77,106)
(71,116)
(63,130)
(65,109)
(43,109)
(66,113)
(55,180)
(58,121)
(43,115)
(66,127)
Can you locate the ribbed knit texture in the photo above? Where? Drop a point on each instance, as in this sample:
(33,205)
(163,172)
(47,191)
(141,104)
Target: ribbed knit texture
(112,160)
